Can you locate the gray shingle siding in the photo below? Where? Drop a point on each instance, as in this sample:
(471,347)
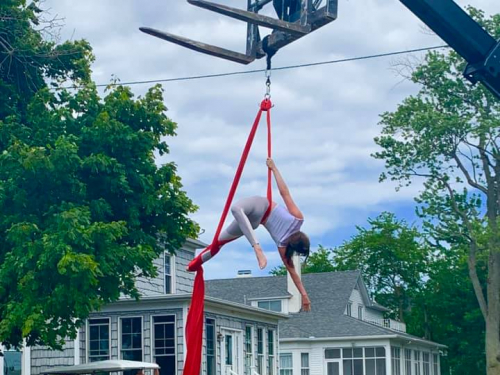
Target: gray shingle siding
(43,357)
(153,286)
(184,280)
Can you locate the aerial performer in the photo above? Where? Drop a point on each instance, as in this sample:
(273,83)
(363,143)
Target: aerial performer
(283,224)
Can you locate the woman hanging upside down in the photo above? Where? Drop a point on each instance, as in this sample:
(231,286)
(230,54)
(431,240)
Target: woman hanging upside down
(283,224)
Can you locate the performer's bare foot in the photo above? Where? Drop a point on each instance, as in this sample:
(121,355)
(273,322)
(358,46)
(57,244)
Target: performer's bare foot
(261,258)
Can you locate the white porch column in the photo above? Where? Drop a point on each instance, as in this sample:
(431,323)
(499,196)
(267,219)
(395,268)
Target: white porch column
(388,359)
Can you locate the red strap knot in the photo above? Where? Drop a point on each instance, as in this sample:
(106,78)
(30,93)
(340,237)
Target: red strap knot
(266,104)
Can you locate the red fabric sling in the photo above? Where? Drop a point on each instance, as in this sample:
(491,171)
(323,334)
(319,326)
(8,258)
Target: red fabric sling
(194,324)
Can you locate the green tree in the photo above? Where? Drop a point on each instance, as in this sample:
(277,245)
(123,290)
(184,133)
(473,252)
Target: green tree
(319,261)
(392,260)
(82,202)
(448,136)
(446,311)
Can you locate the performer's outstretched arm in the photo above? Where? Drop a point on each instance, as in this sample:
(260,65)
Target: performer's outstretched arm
(284,191)
(306,302)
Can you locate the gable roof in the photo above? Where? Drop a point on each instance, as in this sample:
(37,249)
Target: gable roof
(329,293)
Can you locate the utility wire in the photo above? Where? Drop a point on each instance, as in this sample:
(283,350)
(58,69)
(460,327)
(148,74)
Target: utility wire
(328,62)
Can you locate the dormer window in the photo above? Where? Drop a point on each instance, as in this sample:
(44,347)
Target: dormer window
(270,305)
(349,309)
(360,312)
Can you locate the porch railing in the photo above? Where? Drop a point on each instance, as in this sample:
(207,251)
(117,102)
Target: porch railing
(388,323)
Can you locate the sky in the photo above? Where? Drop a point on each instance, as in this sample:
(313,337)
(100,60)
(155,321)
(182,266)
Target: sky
(324,117)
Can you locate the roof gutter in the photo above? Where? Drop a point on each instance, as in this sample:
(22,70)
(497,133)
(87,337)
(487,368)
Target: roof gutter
(351,338)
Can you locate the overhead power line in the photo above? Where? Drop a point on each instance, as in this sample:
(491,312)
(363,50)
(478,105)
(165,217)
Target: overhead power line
(241,72)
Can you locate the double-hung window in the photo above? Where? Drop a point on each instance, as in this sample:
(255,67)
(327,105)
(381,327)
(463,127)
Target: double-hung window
(260,351)
(168,273)
(164,343)
(270,352)
(98,339)
(131,340)
(304,363)
(210,329)
(286,364)
(248,350)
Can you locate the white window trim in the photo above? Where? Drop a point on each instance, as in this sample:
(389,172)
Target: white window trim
(152,335)
(279,367)
(120,334)
(87,337)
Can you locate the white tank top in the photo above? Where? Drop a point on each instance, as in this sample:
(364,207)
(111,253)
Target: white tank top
(281,224)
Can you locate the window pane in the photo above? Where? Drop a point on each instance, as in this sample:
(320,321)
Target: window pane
(304,359)
(332,353)
(275,306)
(347,353)
(370,366)
(369,352)
(358,352)
(347,366)
(381,367)
(286,360)
(333,368)
(358,367)
(380,352)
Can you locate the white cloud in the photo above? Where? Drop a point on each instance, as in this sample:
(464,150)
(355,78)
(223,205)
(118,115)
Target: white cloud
(324,119)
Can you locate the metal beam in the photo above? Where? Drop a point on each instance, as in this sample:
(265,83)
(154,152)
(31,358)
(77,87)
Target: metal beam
(454,26)
(250,17)
(200,47)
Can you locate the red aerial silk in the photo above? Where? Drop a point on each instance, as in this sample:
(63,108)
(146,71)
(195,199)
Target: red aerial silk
(194,324)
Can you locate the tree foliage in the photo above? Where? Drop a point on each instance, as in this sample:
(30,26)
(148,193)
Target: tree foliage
(82,202)
(447,135)
(319,261)
(391,257)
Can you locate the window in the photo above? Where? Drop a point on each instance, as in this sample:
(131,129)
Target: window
(332,353)
(360,312)
(260,351)
(210,342)
(375,361)
(168,273)
(164,343)
(248,350)
(426,361)
(396,360)
(12,362)
(408,362)
(417,362)
(356,361)
(435,364)
(270,351)
(352,361)
(349,309)
(131,340)
(270,305)
(304,363)
(98,339)
(286,364)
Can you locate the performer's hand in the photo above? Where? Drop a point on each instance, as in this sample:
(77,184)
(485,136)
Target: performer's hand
(306,303)
(270,164)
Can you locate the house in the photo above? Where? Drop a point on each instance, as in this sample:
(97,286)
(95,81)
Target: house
(344,334)
(253,326)
(152,330)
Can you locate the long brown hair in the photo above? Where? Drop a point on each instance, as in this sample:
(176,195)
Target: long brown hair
(298,243)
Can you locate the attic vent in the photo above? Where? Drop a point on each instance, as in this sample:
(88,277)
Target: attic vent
(245,273)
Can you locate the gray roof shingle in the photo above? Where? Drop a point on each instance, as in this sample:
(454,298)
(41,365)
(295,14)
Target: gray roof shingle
(329,293)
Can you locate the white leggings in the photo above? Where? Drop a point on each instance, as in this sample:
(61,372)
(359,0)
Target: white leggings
(248,214)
